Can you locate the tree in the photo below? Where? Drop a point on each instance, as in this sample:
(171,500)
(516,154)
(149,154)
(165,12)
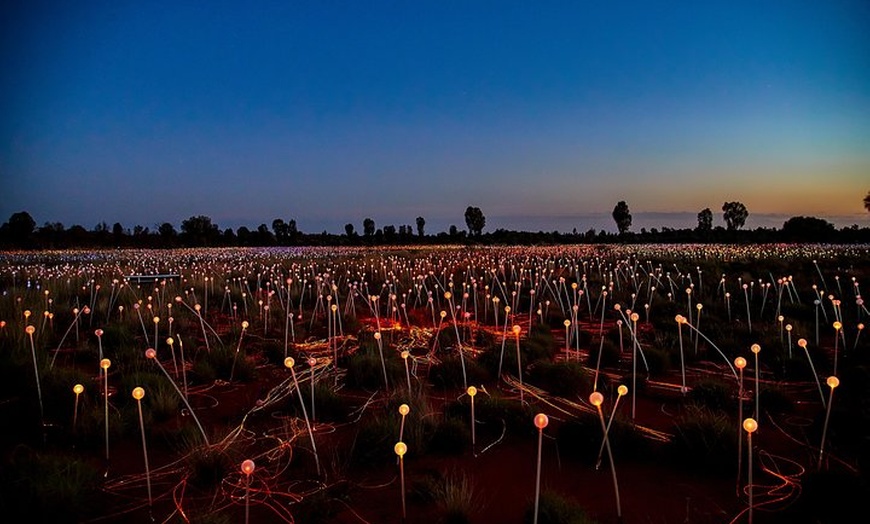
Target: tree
(117,233)
(167,231)
(348,229)
(390,233)
(19,228)
(264,236)
(368,227)
(281,230)
(735,214)
(199,230)
(622,217)
(867,202)
(705,220)
(421,223)
(475,220)
(808,229)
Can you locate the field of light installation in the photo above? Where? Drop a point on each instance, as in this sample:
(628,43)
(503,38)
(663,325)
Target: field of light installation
(637,384)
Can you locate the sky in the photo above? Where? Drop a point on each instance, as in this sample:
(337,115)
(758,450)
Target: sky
(543,114)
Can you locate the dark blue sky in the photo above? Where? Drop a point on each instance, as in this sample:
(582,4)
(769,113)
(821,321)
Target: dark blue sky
(543,114)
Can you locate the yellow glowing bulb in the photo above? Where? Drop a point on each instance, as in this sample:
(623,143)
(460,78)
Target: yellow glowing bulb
(289,362)
(138,393)
(622,390)
(472,391)
(404,409)
(105,363)
(78,388)
(400,448)
(833,382)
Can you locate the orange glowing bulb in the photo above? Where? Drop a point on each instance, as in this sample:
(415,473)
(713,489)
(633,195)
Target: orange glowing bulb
(78,388)
(596,398)
(755,348)
(105,363)
(289,362)
(622,390)
(740,362)
(833,382)
(150,353)
(30,330)
(750,425)
(138,393)
(472,391)
(248,467)
(517,329)
(400,448)
(404,409)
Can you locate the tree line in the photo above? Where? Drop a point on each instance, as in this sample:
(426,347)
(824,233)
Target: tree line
(20,231)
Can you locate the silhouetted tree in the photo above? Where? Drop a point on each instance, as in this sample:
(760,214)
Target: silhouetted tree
(349,230)
(199,230)
(390,233)
(735,214)
(705,220)
(19,228)
(867,202)
(368,227)
(622,217)
(281,230)
(167,232)
(421,223)
(117,233)
(808,229)
(475,220)
(264,236)
(243,236)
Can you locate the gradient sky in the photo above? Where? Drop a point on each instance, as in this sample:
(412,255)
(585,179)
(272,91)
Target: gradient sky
(543,114)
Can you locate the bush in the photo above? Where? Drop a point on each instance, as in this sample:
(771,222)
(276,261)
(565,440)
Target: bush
(554,508)
(714,394)
(451,436)
(704,440)
(365,371)
(39,487)
(564,379)
(448,373)
(453,494)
